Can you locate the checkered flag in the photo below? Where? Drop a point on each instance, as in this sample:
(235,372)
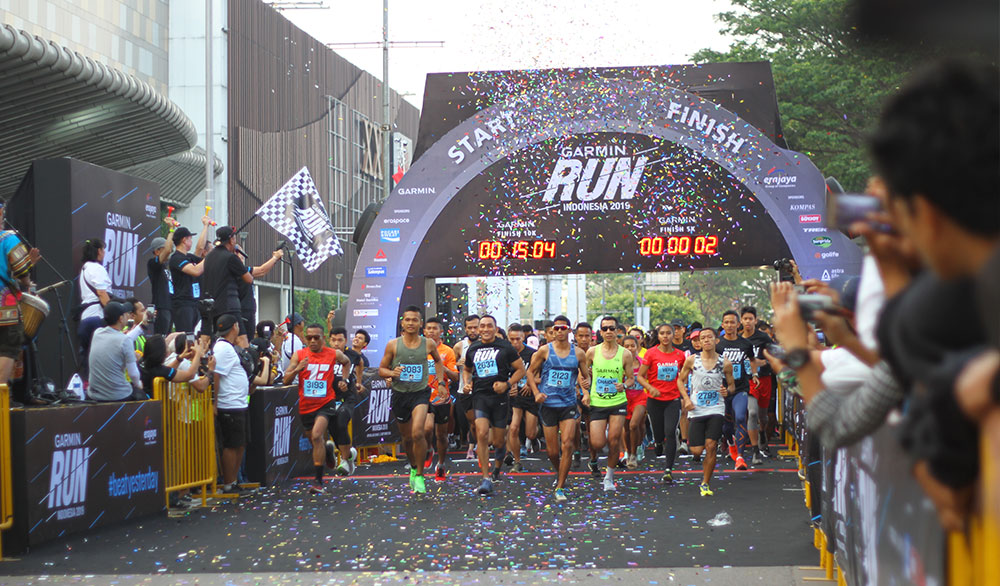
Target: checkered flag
(297,211)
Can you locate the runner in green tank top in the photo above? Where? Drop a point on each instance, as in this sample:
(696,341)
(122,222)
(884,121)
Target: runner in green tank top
(405,362)
(611,371)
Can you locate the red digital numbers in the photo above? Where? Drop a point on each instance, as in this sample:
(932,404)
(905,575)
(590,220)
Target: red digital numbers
(522,249)
(678,245)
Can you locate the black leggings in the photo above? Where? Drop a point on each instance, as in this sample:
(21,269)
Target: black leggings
(664,415)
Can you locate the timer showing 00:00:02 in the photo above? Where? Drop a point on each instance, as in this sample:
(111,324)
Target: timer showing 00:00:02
(678,245)
(522,249)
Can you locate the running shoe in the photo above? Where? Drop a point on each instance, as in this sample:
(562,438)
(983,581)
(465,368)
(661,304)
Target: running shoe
(508,459)
(640,452)
(696,459)
(430,458)
(609,484)
(486,488)
(439,474)
(659,450)
(733,454)
(331,455)
(595,468)
(418,484)
(471,454)
(577,461)
(413,474)
(765,450)
(622,464)
(561,495)
(705,490)
(315,488)
(517,467)
(668,477)
(683,450)
(524,450)
(496,473)
(757,460)
(632,463)
(740,463)
(345,468)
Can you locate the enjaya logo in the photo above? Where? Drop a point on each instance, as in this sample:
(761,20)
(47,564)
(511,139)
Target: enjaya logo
(777,177)
(822,241)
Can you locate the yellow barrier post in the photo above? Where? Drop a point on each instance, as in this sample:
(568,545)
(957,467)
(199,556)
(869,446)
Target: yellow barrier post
(6,472)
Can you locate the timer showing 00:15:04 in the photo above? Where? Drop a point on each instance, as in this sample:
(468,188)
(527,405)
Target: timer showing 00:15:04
(678,245)
(522,249)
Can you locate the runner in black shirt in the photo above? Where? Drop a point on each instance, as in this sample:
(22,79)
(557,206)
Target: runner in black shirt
(159,280)
(740,354)
(492,368)
(524,409)
(759,399)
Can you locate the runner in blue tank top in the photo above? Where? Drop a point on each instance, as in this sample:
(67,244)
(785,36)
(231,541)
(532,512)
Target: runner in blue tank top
(560,367)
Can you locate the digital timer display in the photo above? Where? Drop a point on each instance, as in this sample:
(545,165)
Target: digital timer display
(679,245)
(521,249)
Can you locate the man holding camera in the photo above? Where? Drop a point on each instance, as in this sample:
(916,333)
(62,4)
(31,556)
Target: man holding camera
(232,400)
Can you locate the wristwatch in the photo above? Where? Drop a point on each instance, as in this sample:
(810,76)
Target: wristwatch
(797,358)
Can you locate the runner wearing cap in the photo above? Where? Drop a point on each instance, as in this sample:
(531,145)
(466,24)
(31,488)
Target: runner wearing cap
(185,274)
(294,341)
(224,271)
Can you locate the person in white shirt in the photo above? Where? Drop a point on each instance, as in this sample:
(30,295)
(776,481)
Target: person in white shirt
(294,341)
(232,401)
(94,285)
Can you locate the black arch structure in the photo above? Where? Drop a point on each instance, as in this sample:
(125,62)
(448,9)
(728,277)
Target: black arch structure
(590,163)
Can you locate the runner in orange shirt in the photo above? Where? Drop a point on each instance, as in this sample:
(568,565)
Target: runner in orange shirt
(439,415)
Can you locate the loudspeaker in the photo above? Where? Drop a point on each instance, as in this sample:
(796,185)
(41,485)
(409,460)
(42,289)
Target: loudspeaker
(365,223)
(453,306)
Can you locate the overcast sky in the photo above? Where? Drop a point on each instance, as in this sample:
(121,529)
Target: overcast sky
(515,34)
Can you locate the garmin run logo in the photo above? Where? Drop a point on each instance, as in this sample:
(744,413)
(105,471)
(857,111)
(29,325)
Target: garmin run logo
(378,411)
(584,175)
(68,480)
(122,248)
(282,434)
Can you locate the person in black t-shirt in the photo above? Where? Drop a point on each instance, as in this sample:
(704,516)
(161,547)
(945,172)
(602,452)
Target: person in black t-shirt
(492,368)
(740,353)
(524,409)
(223,271)
(759,400)
(185,274)
(159,280)
(248,303)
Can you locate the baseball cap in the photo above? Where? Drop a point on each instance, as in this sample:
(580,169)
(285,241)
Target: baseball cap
(181,233)
(113,312)
(225,233)
(694,334)
(677,322)
(157,243)
(295,319)
(225,322)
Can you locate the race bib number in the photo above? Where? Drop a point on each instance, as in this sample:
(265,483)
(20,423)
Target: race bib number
(666,372)
(430,366)
(559,379)
(196,290)
(707,398)
(606,386)
(486,368)
(314,389)
(737,370)
(412,373)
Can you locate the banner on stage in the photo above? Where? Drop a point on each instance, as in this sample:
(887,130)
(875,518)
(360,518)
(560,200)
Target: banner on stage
(296,210)
(373,422)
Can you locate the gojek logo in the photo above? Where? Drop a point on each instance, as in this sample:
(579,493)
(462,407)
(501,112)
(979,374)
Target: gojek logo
(590,173)
(777,177)
(282,434)
(68,479)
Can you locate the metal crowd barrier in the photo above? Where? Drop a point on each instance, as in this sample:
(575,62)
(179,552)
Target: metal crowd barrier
(188,438)
(6,473)
(974,556)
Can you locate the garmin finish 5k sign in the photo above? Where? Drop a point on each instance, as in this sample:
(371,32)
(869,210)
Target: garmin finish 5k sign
(594,170)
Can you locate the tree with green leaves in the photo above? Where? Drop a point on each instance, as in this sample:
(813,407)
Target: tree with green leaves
(830,86)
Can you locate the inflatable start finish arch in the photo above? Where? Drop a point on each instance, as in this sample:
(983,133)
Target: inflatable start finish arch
(594,171)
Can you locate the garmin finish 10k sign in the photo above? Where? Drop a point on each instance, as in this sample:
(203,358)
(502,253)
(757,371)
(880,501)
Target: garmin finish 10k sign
(593,171)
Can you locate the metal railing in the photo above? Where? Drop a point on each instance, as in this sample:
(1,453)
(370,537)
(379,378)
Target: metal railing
(6,472)
(189,456)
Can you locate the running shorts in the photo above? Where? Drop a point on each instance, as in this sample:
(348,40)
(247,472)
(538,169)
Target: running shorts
(403,404)
(492,406)
(552,416)
(702,428)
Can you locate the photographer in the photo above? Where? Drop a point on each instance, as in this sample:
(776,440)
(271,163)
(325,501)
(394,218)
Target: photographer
(937,149)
